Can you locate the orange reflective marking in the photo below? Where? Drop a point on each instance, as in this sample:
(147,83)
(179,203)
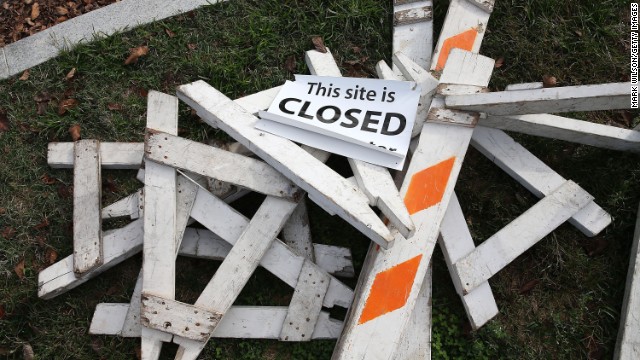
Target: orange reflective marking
(390,289)
(427,186)
(462,41)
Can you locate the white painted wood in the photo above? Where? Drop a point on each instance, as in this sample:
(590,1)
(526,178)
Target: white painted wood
(416,339)
(117,246)
(128,206)
(534,175)
(466,76)
(547,100)
(246,322)
(87,198)
(112,155)
(299,166)
(160,211)
(218,164)
(258,101)
(335,260)
(502,248)
(524,86)
(375,181)
(463,17)
(456,242)
(132,325)
(297,233)
(452,89)
(414,40)
(562,128)
(280,260)
(306,304)
(628,343)
(378,333)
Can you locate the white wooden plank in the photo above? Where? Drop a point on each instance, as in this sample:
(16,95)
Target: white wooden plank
(87,197)
(562,128)
(132,326)
(258,101)
(416,339)
(456,242)
(335,260)
(128,206)
(303,169)
(160,211)
(414,40)
(524,86)
(246,322)
(519,235)
(280,260)
(391,280)
(306,303)
(112,155)
(375,181)
(297,233)
(547,100)
(218,164)
(534,175)
(628,343)
(485,5)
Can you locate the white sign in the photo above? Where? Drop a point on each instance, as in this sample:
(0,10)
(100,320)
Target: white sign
(364,119)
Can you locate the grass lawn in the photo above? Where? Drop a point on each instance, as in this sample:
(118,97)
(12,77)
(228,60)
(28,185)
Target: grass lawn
(561,299)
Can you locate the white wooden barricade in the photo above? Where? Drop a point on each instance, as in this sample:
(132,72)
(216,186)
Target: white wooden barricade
(413,30)
(628,344)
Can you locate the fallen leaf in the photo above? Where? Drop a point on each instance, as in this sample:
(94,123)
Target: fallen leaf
(627,118)
(48,179)
(290,64)
(67,104)
(70,74)
(112,290)
(3,211)
(526,288)
(24,76)
(110,185)
(138,352)
(499,63)
(135,53)
(3,313)
(19,269)
(4,122)
(596,246)
(74,131)
(192,46)
(356,49)
(8,232)
(579,33)
(96,345)
(319,44)
(41,240)
(61,19)
(549,81)
(51,256)
(169,33)
(61,10)
(114,106)
(43,224)
(35,11)
(27,352)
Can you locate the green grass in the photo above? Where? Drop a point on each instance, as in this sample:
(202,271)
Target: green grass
(241,47)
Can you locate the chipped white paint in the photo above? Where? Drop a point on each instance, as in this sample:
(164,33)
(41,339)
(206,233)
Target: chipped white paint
(112,155)
(297,232)
(414,40)
(129,206)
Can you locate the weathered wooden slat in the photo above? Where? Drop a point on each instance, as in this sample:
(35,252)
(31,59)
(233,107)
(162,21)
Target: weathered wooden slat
(522,233)
(299,166)
(628,343)
(246,322)
(218,164)
(375,181)
(534,175)
(562,128)
(547,100)
(524,86)
(413,15)
(456,242)
(335,260)
(129,206)
(416,339)
(486,5)
(391,280)
(112,155)
(297,234)
(87,219)
(306,303)
(414,40)
(132,325)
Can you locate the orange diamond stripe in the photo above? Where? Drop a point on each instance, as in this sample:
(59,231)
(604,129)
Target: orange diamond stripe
(462,41)
(390,289)
(427,186)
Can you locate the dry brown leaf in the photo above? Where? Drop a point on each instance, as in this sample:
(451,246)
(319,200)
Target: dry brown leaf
(114,106)
(41,240)
(549,81)
(74,131)
(24,76)
(528,286)
(110,185)
(8,232)
(192,46)
(138,352)
(290,64)
(318,42)
(61,10)
(51,256)
(135,53)
(169,33)
(42,224)
(499,63)
(70,74)
(627,118)
(67,104)
(27,352)
(3,211)
(356,49)
(578,32)
(35,11)
(48,179)
(19,269)
(4,122)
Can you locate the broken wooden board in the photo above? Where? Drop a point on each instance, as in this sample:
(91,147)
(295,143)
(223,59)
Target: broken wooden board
(130,206)
(628,343)
(375,181)
(87,197)
(322,183)
(112,155)
(219,164)
(297,233)
(547,100)
(500,249)
(414,39)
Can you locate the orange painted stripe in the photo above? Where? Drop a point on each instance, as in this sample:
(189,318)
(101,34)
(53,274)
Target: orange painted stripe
(463,41)
(427,186)
(390,290)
